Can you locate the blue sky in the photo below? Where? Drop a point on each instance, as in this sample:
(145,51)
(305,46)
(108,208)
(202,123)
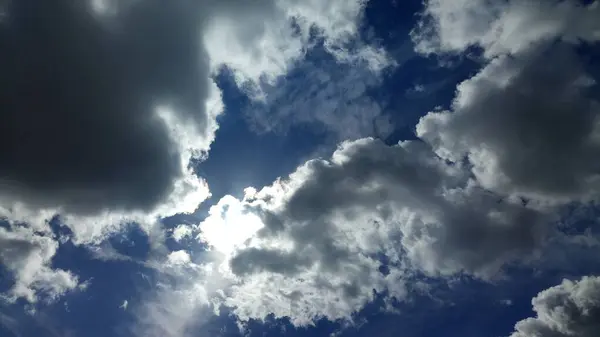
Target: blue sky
(299,168)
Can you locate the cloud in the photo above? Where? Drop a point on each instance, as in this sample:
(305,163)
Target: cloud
(327,226)
(28,255)
(527,124)
(331,97)
(266,48)
(93,124)
(503,27)
(181,232)
(99,127)
(323,241)
(569,309)
(266,38)
(181,302)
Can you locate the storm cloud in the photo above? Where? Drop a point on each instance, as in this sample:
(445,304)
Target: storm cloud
(80,128)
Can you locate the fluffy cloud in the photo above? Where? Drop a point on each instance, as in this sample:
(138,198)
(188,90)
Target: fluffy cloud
(99,126)
(98,123)
(568,309)
(28,255)
(527,128)
(326,227)
(265,38)
(505,26)
(525,121)
(330,91)
(321,242)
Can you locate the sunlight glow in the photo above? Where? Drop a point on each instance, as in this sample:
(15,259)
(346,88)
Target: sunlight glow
(228,226)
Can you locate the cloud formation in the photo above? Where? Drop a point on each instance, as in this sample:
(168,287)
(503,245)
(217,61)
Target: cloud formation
(506,27)
(526,121)
(569,309)
(28,255)
(527,126)
(101,127)
(328,227)
(106,102)
(475,195)
(332,98)
(92,124)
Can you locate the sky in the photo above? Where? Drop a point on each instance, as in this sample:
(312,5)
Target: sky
(221,168)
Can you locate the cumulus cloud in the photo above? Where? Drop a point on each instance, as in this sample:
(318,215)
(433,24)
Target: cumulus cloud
(321,242)
(265,38)
(526,121)
(527,126)
(503,27)
(92,127)
(99,126)
(181,232)
(569,309)
(28,255)
(326,227)
(329,91)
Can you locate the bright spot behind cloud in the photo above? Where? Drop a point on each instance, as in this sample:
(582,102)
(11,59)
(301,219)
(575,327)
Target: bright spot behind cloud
(228,226)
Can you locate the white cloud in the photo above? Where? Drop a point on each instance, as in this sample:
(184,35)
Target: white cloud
(503,27)
(527,125)
(328,96)
(569,309)
(265,38)
(271,40)
(315,251)
(309,245)
(228,225)
(177,258)
(28,256)
(181,232)
(119,167)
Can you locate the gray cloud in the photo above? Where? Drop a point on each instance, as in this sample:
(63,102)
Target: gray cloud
(569,309)
(444,222)
(527,124)
(79,125)
(327,225)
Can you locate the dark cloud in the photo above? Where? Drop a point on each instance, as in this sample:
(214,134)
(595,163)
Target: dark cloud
(79,128)
(569,309)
